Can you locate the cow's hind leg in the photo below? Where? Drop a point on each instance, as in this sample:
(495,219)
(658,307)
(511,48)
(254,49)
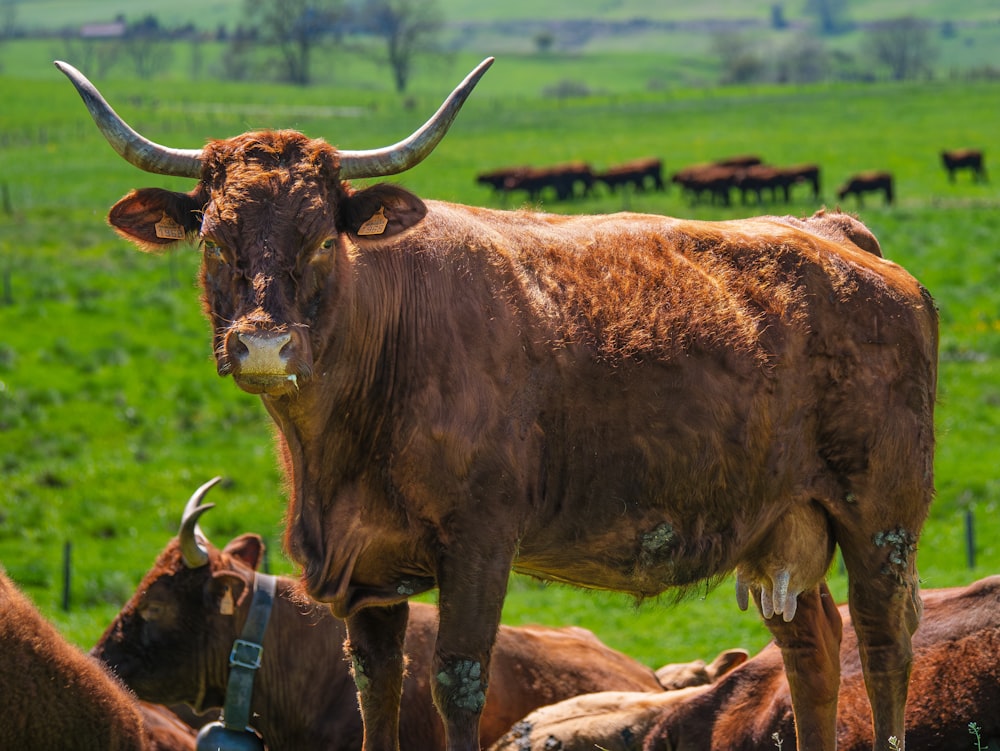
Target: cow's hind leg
(885,608)
(375,647)
(810,649)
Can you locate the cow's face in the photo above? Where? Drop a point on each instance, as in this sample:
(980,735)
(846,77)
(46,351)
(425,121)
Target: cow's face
(272,214)
(171,642)
(276,227)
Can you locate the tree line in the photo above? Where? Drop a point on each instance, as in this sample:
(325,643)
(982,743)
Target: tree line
(292,30)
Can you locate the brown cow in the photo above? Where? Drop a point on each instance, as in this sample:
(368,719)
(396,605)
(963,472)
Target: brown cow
(868,182)
(52,695)
(713,179)
(971,159)
(566,180)
(497,179)
(756,179)
(955,681)
(166,731)
(172,641)
(628,402)
(639,173)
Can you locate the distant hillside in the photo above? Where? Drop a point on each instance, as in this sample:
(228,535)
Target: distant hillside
(965,34)
(52,15)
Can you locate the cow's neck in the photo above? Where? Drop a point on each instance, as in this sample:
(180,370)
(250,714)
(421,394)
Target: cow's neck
(288,673)
(337,420)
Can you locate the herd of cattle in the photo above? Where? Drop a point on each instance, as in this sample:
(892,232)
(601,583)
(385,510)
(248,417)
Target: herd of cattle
(159,673)
(625,402)
(747,175)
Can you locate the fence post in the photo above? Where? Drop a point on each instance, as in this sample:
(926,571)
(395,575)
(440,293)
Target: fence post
(67,556)
(970,538)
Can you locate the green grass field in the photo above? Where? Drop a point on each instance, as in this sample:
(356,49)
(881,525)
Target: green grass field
(110,409)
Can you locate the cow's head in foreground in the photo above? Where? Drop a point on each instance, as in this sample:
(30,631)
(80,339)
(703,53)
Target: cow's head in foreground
(627,402)
(173,639)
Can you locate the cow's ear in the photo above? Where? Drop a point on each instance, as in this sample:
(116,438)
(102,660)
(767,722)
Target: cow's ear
(380,211)
(248,548)
(153,218)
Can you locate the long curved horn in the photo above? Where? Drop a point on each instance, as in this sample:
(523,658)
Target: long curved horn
(409,152)
(193,552)
(133,148)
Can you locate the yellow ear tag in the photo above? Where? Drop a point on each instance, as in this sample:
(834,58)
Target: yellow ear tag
(168,229)
(376,223)
(226,607)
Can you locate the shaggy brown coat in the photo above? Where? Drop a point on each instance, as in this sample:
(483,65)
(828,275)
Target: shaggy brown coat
(171,643)
(53,696)
(625,402)
(955,682)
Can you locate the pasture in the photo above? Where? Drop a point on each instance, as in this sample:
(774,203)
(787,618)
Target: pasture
(110,409)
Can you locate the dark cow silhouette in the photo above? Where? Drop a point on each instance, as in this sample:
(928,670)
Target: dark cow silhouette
(970,159)
(628,402)
(868,182)
(712,180)
(172,641)
(640,174)
(567,181)
(498,179)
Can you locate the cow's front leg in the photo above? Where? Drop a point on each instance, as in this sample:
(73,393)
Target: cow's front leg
(375,647)
(472,586)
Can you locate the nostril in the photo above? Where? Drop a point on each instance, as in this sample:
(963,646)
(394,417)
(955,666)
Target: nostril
(262,352)
(239,350)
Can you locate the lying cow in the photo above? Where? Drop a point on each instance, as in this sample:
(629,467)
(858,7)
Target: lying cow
(53,696)
(172,641)
(627,402)
(955,682)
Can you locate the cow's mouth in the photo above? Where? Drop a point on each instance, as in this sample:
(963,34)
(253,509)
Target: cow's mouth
(271,384)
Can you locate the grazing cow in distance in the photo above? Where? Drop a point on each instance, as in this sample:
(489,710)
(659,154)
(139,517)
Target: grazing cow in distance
(806,173)
(955,681)
(566,180)
(172,641)
(627,402)
(717,181)
(868,182)
(738,160)
(52,695)
(970,159)
(498,179)
(639,173)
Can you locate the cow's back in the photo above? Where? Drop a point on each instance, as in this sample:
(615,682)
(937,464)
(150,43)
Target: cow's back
(51,694)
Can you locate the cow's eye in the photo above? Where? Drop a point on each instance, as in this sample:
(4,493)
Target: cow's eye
(327,243)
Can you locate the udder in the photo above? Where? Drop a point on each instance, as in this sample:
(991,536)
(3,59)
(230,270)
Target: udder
(793,558)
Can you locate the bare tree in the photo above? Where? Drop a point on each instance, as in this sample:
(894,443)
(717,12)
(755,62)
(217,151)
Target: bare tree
(740,58)
(904,46)
(408,27)
(804,59)
(96,56)
(147,46)
(8,19)
(295,28)
(831,15)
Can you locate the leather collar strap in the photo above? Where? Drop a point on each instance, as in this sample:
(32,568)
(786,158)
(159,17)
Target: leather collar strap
(245,658)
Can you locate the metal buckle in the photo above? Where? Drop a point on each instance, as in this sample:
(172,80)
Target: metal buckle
(245,654)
